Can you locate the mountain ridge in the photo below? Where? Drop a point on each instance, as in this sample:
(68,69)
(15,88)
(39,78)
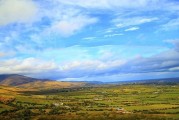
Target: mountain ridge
(21,81)
(16,79)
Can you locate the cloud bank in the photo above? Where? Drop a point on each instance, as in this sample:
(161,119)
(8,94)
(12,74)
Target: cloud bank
(164,62)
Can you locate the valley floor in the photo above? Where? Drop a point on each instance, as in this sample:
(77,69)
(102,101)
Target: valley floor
(107,102)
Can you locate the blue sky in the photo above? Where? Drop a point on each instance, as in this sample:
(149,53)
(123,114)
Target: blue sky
(101,40)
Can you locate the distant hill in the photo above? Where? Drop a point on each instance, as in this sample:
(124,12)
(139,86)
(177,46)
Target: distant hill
(15,79)
(33,83)
(51,85)
(159,81)
(148,81)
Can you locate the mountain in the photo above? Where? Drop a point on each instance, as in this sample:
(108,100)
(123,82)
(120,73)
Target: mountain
(15,79)
(33,83)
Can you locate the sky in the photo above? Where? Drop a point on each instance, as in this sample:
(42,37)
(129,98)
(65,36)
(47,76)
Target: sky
(90,40)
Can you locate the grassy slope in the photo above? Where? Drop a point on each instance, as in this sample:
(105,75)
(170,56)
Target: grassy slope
(14,79)
(9,90)
(50,85)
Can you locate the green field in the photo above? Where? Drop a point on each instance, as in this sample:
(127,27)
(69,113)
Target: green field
(108,102)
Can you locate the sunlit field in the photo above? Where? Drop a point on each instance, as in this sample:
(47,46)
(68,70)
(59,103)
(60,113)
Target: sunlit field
(105,102)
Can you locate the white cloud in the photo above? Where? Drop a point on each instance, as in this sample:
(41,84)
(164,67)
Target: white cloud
(26,66)
(89,38)
(174,69)
(108,31)
(67,27)
(132,29)
(88,68)
(121,22)
(17,11)
(113,35)
(109,4)
(171,25)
